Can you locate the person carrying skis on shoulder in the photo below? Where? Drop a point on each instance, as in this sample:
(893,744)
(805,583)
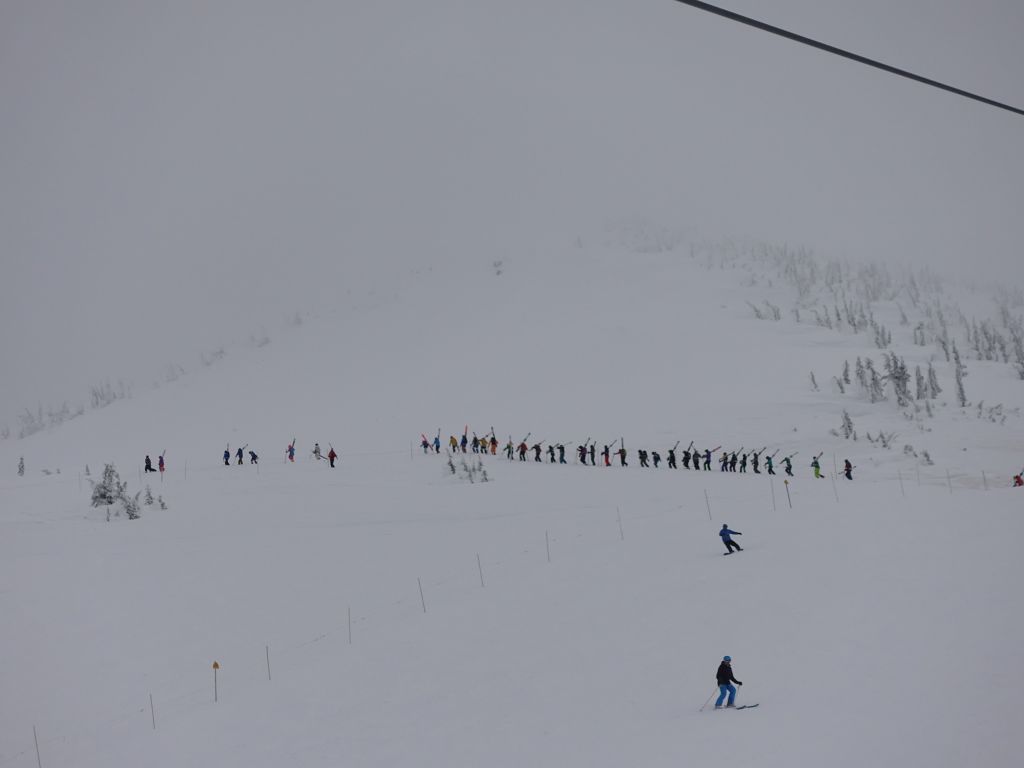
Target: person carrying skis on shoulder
(743,463)
(160,463)
(561,454)
(707,461)
(227,458)
(425,445)
(253,458)
(581,454)
(789,466)
(290,452)
(509,449)
(522,451)
(768,465)
(656,458)
(437,443)
(686,458)
(592,451)
(551,454)
(331,456)
(725,684)
(1018,480)
(606,455)
(622,457)
(817,468)
(149,464)
(671,458)
(724,462)
(848,469)
(239,454)
(536,451)
(494,445)
(727,535)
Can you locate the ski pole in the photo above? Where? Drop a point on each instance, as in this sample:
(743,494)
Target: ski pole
(708,699)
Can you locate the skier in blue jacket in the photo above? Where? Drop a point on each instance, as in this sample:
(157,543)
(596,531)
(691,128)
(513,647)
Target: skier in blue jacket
(725,683)
(727,535)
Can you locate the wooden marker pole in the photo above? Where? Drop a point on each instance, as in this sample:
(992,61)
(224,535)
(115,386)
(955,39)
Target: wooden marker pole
(216,666)
(788,497)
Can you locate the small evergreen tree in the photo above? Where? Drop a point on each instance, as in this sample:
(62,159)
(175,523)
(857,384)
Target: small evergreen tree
(109,489)
(959,372)
(21,467)
(148,498)
(131,506)
(922,385)
(160,502)
(933,383)
(846,372)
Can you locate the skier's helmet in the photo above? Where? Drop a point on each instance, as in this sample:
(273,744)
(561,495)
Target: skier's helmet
(727,658)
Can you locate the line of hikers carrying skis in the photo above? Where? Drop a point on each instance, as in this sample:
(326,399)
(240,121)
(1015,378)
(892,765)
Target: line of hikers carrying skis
(586,452)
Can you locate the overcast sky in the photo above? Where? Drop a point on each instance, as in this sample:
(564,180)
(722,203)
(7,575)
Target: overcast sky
(176,175)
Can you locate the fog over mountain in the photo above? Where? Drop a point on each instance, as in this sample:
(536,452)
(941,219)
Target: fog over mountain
(177,176)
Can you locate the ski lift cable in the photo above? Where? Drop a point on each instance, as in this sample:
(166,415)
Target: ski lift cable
(732,16)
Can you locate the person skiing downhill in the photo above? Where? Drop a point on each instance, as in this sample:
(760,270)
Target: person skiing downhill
(725,684)
(727,535)
(149,464)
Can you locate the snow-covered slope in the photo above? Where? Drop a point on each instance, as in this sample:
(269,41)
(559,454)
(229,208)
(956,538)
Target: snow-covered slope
(875,621)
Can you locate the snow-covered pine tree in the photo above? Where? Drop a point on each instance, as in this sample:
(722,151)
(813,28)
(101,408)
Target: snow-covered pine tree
(959,372)
(131,505)
(876,392)
(933,382)
(922,385)
(847,426)
(21,467)
(846,371)
(861,374)
(109,489)
(160,502)
(148,498)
